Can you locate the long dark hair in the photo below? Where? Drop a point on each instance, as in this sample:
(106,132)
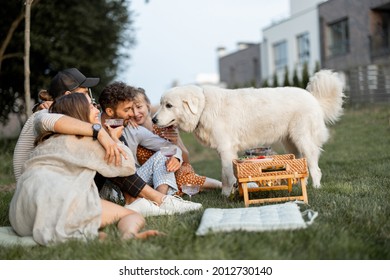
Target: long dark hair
(74,105)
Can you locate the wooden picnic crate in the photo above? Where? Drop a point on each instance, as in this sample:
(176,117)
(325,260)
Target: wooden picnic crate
(274,173)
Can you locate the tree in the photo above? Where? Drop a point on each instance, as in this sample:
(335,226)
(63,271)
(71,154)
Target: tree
(317,67)
(305,75)
(27,93)
(92,37)
(10,32)
(286,81)
(253,83)
(296,82)
(275,80)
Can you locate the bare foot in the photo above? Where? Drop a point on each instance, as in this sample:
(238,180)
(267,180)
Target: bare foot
(148,233)
(102,235)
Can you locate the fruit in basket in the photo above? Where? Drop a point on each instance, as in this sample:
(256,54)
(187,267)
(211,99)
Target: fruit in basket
(255,158)
(260,157)
(244,158)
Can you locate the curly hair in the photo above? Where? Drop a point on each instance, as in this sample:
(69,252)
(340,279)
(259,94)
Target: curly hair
(113,94)
(117,92)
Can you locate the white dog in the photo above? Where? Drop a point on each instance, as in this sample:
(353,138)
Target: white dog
(234,120)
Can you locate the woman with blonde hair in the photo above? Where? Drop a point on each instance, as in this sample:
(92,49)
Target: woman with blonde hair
(186,174)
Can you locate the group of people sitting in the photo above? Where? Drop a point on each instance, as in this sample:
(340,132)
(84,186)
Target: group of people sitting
(66,154)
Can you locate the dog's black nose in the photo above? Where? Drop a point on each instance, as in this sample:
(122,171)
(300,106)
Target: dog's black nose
(154,120)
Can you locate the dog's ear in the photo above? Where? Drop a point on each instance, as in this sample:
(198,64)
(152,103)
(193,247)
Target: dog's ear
(192,104)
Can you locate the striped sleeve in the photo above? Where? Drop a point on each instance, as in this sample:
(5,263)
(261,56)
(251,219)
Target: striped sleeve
(38,123)
(23,147)
(45,122)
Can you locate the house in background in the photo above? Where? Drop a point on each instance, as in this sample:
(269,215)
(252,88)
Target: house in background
(240,68)
(287,44)
(350,37)
(291,43)
(355,41)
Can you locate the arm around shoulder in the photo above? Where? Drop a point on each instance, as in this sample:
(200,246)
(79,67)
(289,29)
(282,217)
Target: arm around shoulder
(91,154)
(45,121)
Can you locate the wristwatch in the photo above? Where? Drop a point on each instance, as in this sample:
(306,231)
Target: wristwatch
(96,128)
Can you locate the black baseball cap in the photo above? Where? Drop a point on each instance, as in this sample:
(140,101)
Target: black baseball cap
(68,80)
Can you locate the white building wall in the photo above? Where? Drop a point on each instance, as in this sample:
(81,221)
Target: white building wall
(304,19)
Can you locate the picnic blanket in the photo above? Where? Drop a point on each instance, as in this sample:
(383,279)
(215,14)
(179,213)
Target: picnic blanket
(284,216)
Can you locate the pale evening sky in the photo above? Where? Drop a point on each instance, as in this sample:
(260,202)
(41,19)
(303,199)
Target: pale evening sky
(177,39)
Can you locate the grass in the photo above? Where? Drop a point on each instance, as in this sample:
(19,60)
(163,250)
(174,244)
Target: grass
(353,206)
(6,153)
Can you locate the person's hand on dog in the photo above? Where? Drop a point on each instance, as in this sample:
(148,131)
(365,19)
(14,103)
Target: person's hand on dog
(171,133)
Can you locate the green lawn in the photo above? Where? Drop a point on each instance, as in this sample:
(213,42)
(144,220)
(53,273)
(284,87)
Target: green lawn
(353,206)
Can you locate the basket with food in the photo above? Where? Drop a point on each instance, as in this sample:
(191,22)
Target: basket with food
(271,173)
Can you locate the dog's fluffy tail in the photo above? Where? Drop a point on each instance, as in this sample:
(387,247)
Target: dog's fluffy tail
(327,87)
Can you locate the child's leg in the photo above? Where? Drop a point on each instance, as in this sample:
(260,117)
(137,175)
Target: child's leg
(154,172)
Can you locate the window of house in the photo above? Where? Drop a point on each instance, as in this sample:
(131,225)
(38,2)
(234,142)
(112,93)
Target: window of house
(303,43)
(380,35)
(338,38)
(280,55)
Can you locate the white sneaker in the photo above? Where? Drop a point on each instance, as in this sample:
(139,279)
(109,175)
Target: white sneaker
(176,204)
(147,208)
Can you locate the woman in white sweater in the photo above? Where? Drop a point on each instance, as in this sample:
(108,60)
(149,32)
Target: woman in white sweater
(56,198)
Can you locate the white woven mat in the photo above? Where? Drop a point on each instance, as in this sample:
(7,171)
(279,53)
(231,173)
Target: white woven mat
(263,218)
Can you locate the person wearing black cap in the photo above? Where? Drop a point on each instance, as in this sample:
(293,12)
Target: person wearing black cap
(66,81)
